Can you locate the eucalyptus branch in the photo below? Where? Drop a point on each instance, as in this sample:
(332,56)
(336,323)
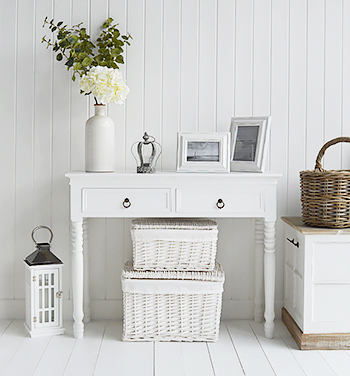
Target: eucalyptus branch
(75,46)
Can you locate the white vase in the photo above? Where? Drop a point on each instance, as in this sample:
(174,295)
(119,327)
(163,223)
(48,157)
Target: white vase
(99,142)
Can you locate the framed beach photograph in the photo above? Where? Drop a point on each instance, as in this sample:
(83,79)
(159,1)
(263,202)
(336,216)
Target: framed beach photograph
(203,152)
(249,136)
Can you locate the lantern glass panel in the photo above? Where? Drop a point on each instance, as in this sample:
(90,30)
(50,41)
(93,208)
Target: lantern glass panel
(46,279)
(52,279)
(46,298)
(46,316)
(52,315)
(40,298)
(40,317)
(52,297)
(40,280)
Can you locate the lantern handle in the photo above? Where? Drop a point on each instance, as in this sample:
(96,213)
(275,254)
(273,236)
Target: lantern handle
(38,228)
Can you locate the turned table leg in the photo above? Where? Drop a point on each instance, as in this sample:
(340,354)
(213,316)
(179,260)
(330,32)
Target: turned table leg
(259,271)
(77,277)
(269,277)
(87,315)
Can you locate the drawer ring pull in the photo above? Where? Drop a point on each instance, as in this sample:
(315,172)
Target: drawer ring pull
(126,203)
(220,204)
(296,244)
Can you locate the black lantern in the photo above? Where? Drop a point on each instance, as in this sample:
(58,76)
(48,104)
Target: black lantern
(146,153)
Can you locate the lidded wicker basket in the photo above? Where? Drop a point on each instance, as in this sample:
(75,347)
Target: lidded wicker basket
(171,305)
(174,244)
(325,195)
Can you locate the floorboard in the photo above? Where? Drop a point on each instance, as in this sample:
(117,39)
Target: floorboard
(86,351)
(196,359)
(169,359)
(338,360)
(311,361)
(224,356)
(119,358)
(57,354)
(10,342)
(248,348)
(276,352)
(242,349)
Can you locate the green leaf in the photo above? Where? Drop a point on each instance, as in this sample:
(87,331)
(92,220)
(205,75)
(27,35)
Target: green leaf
(120,59)
(73,77)
(60,23)
(116,33)
(87,61)
(70,62)
(59,57)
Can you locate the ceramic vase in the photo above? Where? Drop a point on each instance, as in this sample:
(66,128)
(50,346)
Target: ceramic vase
(99,142)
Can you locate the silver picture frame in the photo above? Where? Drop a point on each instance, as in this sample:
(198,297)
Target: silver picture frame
(249,138)
(203,152)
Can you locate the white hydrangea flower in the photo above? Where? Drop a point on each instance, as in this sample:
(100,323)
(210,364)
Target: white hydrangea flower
(106,84)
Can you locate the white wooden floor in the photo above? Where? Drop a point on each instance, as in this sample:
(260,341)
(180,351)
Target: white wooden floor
(241,350)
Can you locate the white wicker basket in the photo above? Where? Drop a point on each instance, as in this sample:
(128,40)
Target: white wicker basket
(174,244)
(171,306)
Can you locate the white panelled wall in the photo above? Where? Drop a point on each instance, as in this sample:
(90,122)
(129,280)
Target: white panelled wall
(192,65)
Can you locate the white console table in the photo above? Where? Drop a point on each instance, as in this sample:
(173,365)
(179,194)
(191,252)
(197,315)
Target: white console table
(171,194)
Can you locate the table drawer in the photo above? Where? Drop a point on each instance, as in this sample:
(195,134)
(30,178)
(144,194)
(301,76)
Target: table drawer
(115,201)
(219,201)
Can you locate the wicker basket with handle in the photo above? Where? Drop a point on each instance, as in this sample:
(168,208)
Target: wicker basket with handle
(325,195)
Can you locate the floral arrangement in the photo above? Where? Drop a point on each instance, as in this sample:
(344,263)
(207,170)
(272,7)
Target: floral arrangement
(96,64)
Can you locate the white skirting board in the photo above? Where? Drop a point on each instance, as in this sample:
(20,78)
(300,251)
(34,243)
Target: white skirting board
(112,309)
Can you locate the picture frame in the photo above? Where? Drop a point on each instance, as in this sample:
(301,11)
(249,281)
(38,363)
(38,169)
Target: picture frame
(203,152)
(249,137)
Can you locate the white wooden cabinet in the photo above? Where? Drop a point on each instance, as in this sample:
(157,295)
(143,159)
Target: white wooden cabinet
(170,194)
(317,277)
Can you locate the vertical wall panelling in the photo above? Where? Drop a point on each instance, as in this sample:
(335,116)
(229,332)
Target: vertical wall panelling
(346,85)
(153,68)
(225,46)
(171,81)
(80,109)
(244,56)
(333,81)
(24,139)
(189,66)
(297,99)
(61,111)
(114,227)
(42,146)
(8,34)
(279,111)
(315,81)
(207,66)
(117,10)
(225,64)
(97,226)
(261,58)
(136,58)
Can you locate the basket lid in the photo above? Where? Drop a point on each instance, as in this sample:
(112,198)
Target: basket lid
(173,224)
(215,275)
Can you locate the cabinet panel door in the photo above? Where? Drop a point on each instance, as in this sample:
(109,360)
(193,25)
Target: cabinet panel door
(331,262)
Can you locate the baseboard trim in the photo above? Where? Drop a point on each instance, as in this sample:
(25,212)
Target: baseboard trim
(113,309)
(317,341)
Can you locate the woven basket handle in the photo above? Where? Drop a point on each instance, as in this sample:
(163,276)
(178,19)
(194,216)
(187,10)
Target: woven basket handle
(318,165)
